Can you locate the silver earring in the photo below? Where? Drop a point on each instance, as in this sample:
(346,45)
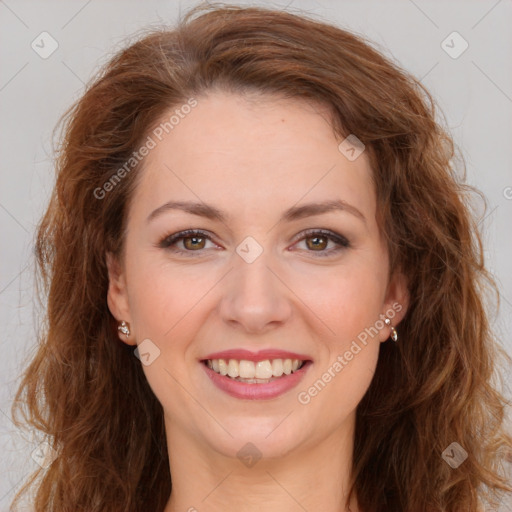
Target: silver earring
(394,334)
(123,327)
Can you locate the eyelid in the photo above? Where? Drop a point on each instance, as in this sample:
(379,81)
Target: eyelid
(320,231)
(167,240)
(341,241)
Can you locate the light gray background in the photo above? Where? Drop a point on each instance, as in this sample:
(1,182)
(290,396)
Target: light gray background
(474,91)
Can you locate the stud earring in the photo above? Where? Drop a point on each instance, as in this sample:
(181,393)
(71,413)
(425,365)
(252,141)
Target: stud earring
(394,334)
(123,327)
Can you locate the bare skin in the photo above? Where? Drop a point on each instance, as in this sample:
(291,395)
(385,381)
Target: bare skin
(304,293)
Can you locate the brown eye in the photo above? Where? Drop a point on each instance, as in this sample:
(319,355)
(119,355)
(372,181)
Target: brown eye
(194,242)
(186,242)
(317,242)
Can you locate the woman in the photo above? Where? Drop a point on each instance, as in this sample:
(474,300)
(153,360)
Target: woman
(264,285)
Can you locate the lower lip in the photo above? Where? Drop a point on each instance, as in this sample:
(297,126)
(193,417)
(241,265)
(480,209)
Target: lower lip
(253,391)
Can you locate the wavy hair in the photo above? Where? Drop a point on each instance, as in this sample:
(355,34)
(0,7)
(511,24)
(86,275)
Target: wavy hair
(86,393)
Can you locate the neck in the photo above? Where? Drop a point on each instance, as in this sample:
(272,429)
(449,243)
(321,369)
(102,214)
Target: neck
(313,477)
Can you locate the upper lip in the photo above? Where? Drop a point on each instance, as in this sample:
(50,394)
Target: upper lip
(261,355)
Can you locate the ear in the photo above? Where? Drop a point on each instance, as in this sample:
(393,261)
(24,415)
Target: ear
(396,303)
(117,296)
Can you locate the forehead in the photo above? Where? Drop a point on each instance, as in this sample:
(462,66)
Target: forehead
(253,154)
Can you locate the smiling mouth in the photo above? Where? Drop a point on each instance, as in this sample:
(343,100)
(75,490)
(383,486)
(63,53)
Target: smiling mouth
(255,372)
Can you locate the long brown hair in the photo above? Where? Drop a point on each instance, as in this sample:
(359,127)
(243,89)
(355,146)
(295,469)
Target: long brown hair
(86,392)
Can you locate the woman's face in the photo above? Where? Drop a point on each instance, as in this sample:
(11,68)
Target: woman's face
(260,282)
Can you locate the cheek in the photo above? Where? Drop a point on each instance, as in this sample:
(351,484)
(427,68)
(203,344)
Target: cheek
(162,295)
(339,391)
(346,300)
(165,302)
(350,308)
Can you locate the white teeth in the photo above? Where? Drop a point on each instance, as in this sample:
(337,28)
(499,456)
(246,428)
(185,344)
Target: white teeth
(233,368)
(263,369)
(277,367)
(223,367)
(245,369)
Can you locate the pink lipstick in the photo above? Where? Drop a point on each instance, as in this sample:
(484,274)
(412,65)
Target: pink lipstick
(266,374)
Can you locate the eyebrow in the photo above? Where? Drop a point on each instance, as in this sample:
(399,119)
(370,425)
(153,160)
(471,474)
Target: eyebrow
(293,213)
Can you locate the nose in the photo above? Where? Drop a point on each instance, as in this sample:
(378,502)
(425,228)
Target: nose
(256,298)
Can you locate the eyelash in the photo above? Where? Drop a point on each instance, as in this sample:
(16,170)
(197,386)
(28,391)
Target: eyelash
(168,241)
